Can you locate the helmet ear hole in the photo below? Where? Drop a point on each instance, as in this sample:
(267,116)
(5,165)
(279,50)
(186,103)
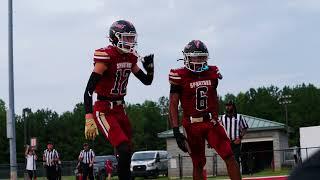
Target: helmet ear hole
(111,40)
(118,35)
(112,37)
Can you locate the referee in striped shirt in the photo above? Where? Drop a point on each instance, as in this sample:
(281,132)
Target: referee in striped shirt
(50,158)
(235,126)
(86,158)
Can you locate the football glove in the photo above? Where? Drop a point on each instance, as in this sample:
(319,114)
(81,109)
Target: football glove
(181,139)
(215,118)
(90,130)
(148,63)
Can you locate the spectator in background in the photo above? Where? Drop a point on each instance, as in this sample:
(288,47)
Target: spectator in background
(86,158)
(109,168)
(296,155)
(31,162)
(78,171)
(250,161)
(59,170)
(235,126)
(50,158)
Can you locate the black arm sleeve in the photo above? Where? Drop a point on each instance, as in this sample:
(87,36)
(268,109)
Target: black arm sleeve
(146,79)
(175,89)
(215,85)
(93,80)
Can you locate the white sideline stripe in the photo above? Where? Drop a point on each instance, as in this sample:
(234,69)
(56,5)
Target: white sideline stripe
(265,177)
(100,57)
(101,124)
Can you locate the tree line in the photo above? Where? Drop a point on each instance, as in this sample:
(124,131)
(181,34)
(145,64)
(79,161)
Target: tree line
(149,118)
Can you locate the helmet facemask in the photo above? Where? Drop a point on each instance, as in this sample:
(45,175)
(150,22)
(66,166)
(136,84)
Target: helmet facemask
(126,41)
(196,61)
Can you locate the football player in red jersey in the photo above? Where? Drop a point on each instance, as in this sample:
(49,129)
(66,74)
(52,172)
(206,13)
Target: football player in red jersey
(195,86)
(112,67)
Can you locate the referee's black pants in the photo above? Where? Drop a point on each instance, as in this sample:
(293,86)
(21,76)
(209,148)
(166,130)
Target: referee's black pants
(51,172)
(236,149)
(87,171)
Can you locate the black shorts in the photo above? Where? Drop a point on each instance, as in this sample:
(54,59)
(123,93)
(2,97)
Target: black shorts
(32,173)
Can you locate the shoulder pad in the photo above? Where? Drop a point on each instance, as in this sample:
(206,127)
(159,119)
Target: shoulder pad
(103,54)
(214,68)
(176,75)
(215,72)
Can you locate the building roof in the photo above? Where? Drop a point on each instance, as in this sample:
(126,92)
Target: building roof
(254,123)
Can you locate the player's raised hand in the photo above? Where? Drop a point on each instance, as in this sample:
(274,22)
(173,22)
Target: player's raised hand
(148,63)
(90,130)
(181,139)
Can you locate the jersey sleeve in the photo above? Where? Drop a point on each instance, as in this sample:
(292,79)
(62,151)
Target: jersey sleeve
(101,55)
(215,72)
(57,154)
(175,77)
(81,154)
(243,123)
(93,154)
(134,60)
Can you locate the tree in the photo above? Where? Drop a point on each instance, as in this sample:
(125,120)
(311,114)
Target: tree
(149,118)
(4,150)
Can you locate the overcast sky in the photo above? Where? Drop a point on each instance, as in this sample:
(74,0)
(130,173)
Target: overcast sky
(254,43)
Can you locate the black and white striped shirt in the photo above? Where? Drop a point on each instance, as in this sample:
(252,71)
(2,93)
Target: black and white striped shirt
(50,156)
(88,156)
(234,125)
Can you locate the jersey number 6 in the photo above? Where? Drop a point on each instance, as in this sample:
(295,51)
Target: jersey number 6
(201,98)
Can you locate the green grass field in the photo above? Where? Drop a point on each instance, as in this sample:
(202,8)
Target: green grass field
(259,174)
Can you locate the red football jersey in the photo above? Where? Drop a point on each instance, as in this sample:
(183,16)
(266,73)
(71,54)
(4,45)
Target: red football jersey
(199,93)
(113,83)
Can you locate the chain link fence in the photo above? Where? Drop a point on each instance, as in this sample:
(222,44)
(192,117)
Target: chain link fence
(181,166)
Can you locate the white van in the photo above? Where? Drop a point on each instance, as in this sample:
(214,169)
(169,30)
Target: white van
(149,163)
